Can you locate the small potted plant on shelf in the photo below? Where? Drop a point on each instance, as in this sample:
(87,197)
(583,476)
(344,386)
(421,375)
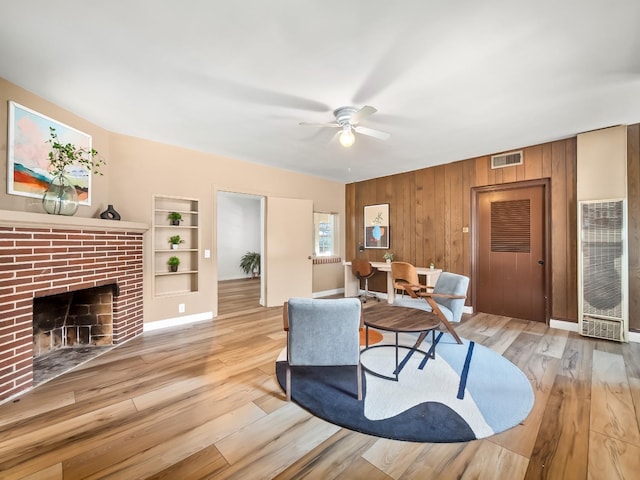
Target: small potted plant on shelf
(175,218)
(175,240)
(250,264)
(388,257)
(173,263)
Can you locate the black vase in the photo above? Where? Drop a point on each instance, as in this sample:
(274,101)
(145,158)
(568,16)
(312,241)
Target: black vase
(110,214)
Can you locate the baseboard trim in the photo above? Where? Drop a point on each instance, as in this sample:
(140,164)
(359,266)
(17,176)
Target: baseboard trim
(327,293)
(174,322)
(564,325)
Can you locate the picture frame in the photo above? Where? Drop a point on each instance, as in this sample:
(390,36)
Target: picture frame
(376,226)
(28,150)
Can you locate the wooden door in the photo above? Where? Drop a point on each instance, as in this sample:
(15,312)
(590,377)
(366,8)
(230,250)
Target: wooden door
(510,252)
(288,246)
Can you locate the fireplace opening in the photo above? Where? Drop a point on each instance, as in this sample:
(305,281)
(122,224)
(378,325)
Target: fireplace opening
(71,328)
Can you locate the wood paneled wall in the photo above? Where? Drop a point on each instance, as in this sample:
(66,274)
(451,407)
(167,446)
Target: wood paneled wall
(430,207)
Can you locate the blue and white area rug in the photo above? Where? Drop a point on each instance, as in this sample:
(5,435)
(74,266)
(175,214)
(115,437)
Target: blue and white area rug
(467,392)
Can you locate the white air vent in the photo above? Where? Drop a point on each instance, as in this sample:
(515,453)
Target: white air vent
(602,270)
(510,159)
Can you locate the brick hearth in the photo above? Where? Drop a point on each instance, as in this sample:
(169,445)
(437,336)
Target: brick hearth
(44,255)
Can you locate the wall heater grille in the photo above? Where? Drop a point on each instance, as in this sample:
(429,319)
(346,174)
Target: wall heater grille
(602,270)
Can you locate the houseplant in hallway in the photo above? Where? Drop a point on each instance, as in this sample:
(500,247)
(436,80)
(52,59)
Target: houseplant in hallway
(250,264)
(173,263)
(61,197)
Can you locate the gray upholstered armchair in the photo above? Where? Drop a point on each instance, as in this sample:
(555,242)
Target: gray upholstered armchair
(323,333)
(446,300)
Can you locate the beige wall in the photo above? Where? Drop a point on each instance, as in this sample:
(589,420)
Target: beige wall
(602,164)
(327,276)
(100,184)
(137,169)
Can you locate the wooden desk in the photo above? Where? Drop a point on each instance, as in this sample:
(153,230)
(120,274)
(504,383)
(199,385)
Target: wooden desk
(352,286)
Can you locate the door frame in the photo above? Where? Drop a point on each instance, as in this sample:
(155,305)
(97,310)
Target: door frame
(545,183)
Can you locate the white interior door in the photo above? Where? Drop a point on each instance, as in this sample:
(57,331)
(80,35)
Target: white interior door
(288,245)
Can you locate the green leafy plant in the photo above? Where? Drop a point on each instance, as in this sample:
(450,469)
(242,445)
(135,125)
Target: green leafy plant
(175,218)
(388,256)
(173,263)
(250,263)
(175,240)
(63,155)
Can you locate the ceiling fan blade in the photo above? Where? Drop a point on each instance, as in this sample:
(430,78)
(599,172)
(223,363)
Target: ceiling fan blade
(372,133)
(312,124)
(362,113)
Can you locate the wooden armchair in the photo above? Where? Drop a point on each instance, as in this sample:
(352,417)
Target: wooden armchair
(404,276)
(446,300)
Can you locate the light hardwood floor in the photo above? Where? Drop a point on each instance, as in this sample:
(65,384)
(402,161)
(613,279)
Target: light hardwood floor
(201,402)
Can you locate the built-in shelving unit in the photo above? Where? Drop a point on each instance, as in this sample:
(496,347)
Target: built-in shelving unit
(185,280)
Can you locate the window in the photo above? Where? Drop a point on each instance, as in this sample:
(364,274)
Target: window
(324,234)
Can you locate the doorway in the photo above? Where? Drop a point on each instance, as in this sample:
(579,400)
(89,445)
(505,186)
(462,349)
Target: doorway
(511,254)
(239,231)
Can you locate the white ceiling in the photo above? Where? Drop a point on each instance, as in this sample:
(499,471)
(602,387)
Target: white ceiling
(450,79)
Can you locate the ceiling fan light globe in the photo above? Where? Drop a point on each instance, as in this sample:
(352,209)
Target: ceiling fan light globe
(347,138)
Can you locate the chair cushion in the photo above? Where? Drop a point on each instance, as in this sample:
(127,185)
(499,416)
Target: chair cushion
(324,332)
(422,304)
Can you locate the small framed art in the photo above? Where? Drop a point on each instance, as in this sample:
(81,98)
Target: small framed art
(376,226)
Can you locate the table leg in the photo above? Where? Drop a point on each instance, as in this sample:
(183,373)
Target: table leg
(391,293)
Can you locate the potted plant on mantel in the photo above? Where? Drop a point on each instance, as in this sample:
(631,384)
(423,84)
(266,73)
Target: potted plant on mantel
(61,197)
(175,218)
(175,240)
(173,263)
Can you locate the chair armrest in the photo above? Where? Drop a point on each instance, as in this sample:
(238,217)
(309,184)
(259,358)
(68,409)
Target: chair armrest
(441,295)
(412,286)
(285,316)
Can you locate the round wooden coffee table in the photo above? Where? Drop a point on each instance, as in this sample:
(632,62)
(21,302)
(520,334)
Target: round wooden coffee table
(400,320)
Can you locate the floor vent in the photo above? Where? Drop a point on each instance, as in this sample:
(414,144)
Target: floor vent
(510,159)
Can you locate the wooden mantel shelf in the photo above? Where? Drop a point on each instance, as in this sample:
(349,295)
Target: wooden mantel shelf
(10,218)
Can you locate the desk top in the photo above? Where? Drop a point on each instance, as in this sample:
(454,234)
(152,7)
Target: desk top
(386,267)
(400,319)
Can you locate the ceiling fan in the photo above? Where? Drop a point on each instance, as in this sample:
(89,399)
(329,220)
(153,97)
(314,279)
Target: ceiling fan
(348,119)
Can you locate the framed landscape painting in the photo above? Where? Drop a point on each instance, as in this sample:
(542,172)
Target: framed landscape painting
(376,226)
(28,154)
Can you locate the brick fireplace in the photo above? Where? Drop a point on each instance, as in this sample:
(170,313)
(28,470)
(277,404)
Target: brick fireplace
(42,255)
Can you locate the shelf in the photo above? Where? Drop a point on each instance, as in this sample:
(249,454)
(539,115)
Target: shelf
(179,272)
(169,210)
(177,226)
(185,280)
(171,250)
